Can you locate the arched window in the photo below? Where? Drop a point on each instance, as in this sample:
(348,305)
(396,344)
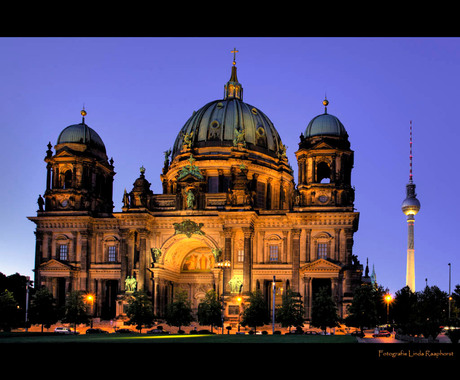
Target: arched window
(68,179)
(273,248)
(111,249)
(323,173)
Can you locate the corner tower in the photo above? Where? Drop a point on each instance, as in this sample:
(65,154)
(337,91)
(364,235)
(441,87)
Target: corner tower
(325,161)
(410,207)
(79,175)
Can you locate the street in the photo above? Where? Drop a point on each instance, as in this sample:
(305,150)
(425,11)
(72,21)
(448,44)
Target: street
(368,338)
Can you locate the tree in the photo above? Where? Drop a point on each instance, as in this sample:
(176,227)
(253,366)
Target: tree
(179,312)
(9,315)
(140,310)
(290,313)
(405,311)
(17,285)
(432,310)
(210,310)
(363,310)
(324,310)
(43,310)
(455,303)
(75,309)
(256,314)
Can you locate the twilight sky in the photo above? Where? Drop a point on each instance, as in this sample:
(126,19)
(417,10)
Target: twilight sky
(139,92)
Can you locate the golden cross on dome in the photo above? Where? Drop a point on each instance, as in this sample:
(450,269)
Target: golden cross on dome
(234,51)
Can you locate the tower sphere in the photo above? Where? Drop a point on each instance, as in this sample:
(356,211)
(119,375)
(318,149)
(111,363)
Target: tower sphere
(410,206)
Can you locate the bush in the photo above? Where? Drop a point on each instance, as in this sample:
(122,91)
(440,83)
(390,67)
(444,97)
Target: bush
(454,335)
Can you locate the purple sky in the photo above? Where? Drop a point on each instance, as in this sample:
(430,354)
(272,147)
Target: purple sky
(138,93)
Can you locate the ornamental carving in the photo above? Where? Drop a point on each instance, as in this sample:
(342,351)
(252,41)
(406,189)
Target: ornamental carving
(188,227)
(191,169)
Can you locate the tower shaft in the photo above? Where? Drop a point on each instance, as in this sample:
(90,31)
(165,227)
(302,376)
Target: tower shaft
(410,268)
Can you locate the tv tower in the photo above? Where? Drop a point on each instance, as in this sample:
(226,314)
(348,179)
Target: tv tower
(410,208)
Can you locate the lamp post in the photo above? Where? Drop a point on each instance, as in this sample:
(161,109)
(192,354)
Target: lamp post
(89,299)
(450,295)
(224,264)
(239,299)
(388,299)
(273,309)
(27,303)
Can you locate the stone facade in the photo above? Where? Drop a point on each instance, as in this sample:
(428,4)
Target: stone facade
(230,217)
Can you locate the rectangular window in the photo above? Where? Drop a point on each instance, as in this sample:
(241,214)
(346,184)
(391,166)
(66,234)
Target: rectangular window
(240,255)
(322,250)
(63,252)
(273,251)
(213,184)
(233,309)
(112,253)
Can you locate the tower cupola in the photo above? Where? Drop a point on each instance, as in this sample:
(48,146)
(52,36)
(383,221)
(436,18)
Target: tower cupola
(79,175)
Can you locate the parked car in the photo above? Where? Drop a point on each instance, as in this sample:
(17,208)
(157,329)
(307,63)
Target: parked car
(124,331)
(64,330)
(157,331)
(294,332)
(96,331)
(381,333)
(357,333)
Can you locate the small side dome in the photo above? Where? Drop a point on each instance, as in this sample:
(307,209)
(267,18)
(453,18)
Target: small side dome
(325,125)
(81,134)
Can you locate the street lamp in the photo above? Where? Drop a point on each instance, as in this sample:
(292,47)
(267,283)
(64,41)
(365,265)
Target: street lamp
(223,264)
(388,298)
(89,299)
(27,303)
(273,311)
(450,295)
(239,299)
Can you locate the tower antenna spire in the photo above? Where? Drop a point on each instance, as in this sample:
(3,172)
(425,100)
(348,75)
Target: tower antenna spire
(410,153)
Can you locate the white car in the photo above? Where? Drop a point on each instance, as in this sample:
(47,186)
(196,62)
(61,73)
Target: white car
(63,330)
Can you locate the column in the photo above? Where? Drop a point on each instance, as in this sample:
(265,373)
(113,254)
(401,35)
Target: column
(307,296)
(84,263)
(349,246)
(307,245)
(227,255)
(247,263)
(143,260)
(295,259)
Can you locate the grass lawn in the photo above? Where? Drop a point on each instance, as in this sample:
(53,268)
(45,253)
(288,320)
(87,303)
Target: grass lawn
(6,338)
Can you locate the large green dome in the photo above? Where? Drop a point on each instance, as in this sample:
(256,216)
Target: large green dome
(219,122)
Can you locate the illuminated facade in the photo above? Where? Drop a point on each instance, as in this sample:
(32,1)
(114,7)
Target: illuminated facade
(229,218)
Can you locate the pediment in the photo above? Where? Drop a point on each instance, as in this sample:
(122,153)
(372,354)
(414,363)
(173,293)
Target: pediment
(65,152)
(191,178)
(321,265)
(55,266)
(322,145)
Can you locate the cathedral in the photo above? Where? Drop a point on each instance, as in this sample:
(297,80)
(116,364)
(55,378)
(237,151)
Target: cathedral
(230,217)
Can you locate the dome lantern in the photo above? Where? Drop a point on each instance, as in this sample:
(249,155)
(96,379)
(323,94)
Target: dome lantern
(233,88)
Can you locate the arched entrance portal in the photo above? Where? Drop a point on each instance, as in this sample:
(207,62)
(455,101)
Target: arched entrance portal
(186,264)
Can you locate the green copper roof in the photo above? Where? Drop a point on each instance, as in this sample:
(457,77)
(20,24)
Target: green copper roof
(325,125)
(81,134)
